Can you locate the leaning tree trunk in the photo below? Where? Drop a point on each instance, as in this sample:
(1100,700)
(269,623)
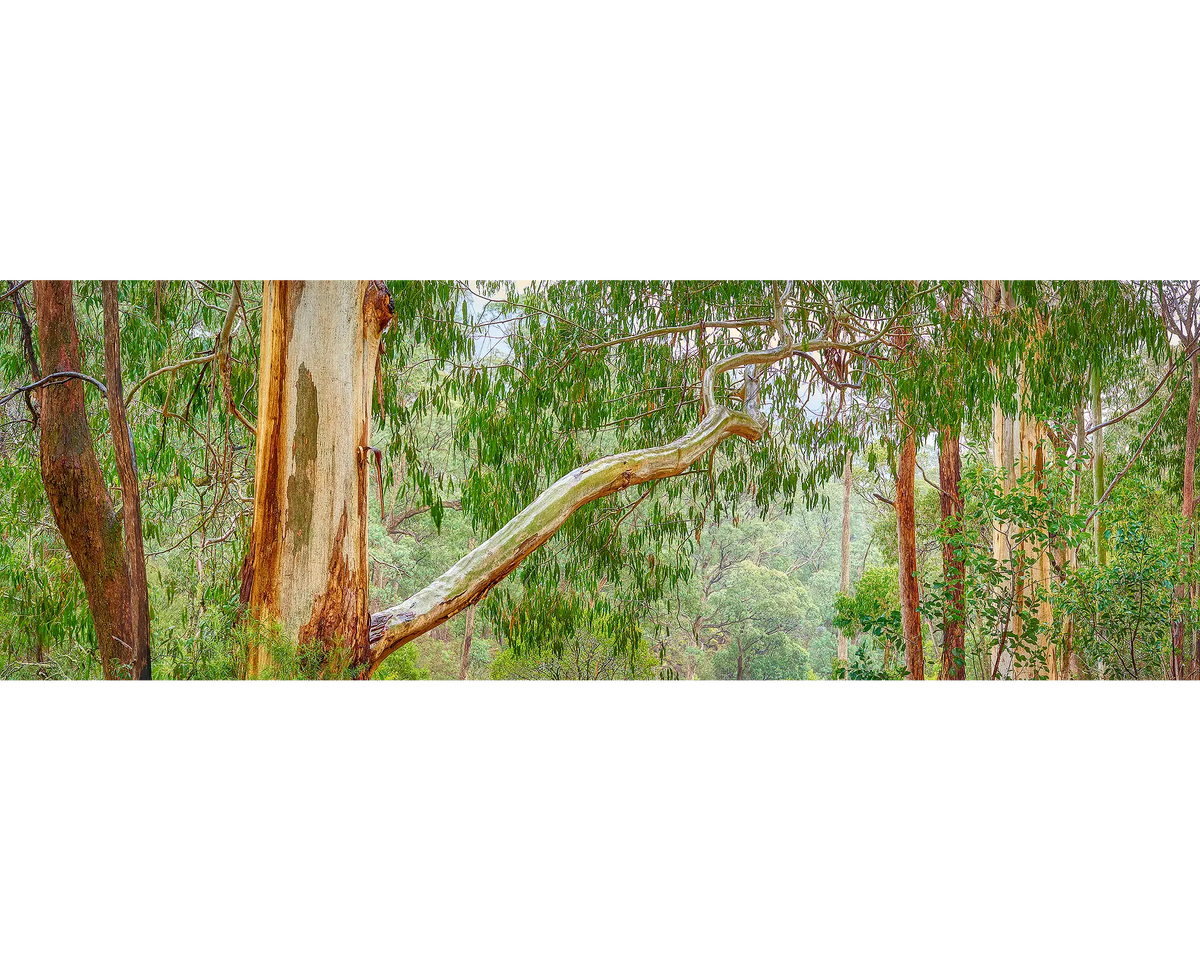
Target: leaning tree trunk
(954,615)
(75,486)
(305,572)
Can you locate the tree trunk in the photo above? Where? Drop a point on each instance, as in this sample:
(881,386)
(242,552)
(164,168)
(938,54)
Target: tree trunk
(306,565)
(1098,464)
(1102,557)
(131,499)
(954,622)
(468,631)
(1183,590)
(914,655)
(75,486)
(843,651)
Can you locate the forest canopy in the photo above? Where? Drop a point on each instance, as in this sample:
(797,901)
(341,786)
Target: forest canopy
(598,479)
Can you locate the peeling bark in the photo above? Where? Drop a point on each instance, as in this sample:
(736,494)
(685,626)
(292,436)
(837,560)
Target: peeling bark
(306,565)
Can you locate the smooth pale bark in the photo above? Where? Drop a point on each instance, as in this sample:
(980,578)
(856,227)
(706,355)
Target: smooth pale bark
(954,623)
(1042,661)
(131,500)
(1019,449)
(306,565)
(75,486)
(470,579)
(843,651)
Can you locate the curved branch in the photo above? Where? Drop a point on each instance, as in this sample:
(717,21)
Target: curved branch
(54,378)
(190,362)
(470,580)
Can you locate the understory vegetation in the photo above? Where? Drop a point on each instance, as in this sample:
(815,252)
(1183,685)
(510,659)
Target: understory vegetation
(1013,462)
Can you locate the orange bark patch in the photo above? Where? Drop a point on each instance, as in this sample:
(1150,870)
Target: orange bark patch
(378,309)
(339,620)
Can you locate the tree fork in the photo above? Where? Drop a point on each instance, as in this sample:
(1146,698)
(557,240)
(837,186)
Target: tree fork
(75,486)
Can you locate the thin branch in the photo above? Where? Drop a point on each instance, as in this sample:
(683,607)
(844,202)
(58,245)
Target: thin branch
(54,378)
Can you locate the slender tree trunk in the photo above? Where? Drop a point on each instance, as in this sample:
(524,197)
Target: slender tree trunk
(306,565)
(75,486)
(1098,464)
(954,616)
(468,631)
(1183,590)
(1098,477)
(466,650)
(906,529)
(131,499)
(843,651)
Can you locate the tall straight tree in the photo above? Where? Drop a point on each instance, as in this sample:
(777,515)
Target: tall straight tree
(906,531)
(306,563)
(953,666)
(1179,303)
(843,651)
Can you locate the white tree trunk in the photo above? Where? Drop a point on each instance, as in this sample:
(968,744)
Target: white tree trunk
(306,566)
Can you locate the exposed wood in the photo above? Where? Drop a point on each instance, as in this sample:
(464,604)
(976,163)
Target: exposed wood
(306,566)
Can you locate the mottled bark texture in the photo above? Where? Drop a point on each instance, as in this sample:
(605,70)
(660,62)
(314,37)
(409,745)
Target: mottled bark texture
(131,500)
(306,565)
(954,624)
(75,486)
